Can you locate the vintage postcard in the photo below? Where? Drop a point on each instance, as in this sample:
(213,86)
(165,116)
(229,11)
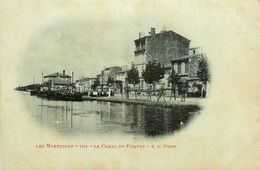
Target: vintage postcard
(110,84)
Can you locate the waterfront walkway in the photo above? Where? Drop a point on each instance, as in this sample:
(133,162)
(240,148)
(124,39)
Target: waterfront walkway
(144,100)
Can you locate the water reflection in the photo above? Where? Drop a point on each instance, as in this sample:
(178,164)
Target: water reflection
(92,117)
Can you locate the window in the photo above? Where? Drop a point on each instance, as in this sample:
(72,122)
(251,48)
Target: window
(143,45)
(186,68)
(179,68)
(175,67)
(137,46)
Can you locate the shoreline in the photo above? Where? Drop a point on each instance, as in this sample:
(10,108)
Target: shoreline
(171,103)
(189,102)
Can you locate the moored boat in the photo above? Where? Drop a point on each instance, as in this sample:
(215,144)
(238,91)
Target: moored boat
(33,92)
(72,97)
(56,95)
(42,94)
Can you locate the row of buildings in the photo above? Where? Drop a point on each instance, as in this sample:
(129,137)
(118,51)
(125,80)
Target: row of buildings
(166,47)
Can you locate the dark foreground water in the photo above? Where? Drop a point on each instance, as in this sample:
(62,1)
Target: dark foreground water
(96,118)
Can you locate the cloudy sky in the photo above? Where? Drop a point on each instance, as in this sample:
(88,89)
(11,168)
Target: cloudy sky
(86,37)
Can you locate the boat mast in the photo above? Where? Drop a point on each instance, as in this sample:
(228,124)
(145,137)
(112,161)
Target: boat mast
(42,80)
(72,82)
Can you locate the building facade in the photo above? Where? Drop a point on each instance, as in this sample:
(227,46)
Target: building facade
(57,81)
(121,78)
(161,47)
(105,74)
(85,84)
(187,68)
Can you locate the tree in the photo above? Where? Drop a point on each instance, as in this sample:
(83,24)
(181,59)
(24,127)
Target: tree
(203,71)
(110,81)
(153,73)
(96,83)
(119,84)
(133,76)
(174,80)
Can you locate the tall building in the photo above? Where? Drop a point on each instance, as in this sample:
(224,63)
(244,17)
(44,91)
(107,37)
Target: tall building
(162,47)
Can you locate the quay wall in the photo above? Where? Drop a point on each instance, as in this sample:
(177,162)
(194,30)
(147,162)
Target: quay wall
(143,102)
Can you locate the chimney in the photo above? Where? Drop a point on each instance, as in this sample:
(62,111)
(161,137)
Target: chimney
(140,34)
(152,31)
(63,72)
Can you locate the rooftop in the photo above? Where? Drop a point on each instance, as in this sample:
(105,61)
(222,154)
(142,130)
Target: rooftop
(161,33)
(85,79)
(111,67)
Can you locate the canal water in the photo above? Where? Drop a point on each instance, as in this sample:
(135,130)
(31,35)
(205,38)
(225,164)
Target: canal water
(97,118)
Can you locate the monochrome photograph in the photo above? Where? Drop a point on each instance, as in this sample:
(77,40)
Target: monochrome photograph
(111,84)
(156,93)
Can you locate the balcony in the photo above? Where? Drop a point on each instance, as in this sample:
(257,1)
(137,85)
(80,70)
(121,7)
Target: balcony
(140,49)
